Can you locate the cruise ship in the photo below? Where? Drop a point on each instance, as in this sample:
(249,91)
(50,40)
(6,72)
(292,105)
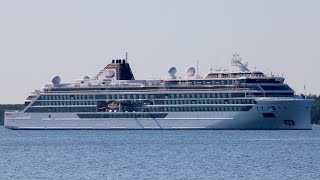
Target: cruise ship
(237,99)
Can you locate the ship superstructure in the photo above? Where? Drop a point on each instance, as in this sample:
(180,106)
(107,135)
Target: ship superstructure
(113,99)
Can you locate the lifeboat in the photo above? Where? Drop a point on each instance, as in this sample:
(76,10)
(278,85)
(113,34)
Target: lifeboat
(103,108)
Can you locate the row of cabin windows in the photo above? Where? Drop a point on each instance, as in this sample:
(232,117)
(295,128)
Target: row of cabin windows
(141,96)
(87,103)
(223,101)
(61,109)
(198,95)
(214,82)
(190,109)
(224,82)
(122,115)
(129,115)
(203,82)
(66,97)
(64,103)
(151,109)
(172,96)
(234,75)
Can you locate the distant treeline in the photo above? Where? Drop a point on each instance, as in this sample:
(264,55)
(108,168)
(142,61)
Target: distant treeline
(6,107)
(315,111)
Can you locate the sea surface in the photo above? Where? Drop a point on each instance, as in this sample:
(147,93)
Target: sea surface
(156,154)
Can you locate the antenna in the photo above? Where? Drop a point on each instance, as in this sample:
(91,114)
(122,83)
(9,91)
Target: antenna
(197,67)
(305,92)
(236,56)
(127,57)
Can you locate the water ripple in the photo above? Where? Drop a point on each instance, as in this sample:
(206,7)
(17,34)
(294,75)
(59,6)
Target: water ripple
(160,154)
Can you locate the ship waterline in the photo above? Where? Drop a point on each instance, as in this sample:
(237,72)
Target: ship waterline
(113,99)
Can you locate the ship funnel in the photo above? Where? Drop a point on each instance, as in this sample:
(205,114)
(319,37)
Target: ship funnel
(119,69)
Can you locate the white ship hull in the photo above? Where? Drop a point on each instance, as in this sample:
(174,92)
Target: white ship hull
(289,114)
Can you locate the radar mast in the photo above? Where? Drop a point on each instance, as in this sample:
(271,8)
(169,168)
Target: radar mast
(236,63)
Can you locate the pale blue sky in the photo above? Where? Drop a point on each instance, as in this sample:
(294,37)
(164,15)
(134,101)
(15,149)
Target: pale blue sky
(74,38)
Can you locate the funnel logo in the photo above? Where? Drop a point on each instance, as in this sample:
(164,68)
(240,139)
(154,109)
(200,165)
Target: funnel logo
(110,74)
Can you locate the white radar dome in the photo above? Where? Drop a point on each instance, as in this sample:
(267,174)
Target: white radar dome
(172,71)
(190,71)
(56,80)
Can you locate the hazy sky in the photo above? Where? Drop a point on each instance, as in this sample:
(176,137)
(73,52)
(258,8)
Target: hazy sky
(74,38)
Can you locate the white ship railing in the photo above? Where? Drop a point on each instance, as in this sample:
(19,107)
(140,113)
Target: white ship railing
(10,111)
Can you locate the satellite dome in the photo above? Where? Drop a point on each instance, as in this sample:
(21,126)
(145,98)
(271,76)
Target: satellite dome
(190,71)
(172,71)
(86,78)
(56,80)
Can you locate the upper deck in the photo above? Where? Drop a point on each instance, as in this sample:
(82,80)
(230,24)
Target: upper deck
(118,76)
(116,84)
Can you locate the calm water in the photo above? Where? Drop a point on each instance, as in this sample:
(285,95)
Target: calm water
(160,154)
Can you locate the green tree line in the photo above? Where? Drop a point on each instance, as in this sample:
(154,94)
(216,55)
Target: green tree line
(315,111)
